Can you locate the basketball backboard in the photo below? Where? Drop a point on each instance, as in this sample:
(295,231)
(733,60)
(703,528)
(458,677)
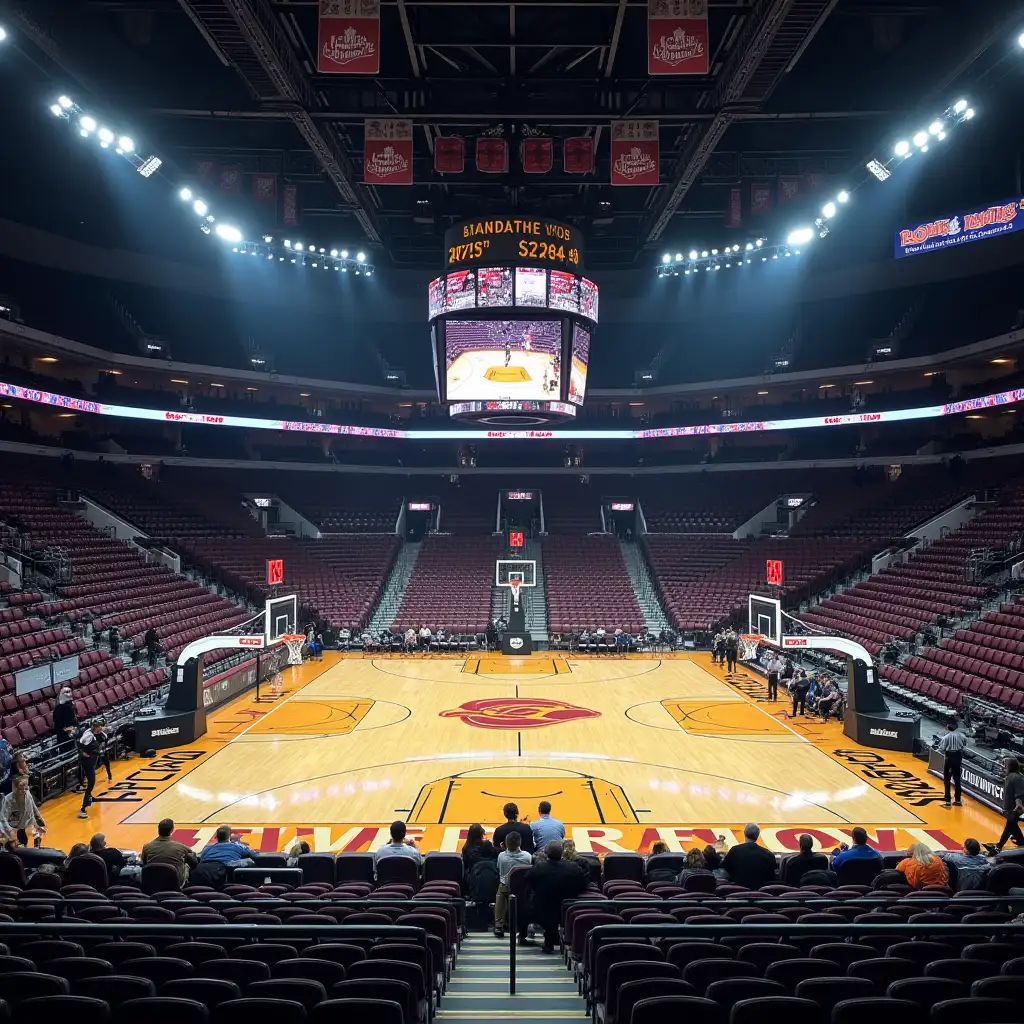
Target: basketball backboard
(281,617)
(765,617)
(508,569)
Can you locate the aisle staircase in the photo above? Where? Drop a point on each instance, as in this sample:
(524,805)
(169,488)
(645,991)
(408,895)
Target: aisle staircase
(391,600)
(643,586)
(478,992)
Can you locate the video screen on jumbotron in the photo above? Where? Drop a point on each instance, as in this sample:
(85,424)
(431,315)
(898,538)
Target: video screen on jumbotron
(498,359)
(494,286)
(460,290)
(580,359)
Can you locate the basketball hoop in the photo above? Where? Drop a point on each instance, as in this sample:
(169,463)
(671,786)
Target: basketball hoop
(514,585)
(748,645)
(294,645)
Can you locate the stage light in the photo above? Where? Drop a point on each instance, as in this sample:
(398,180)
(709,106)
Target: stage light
(799,236)
(83,133)
(934,128)
(126,143)
(106,135)
(924,148)
(315,265)
(56,110)
(764,259)
(280,259)
(235,249)
(334,252)
(287,243)
(293,260)
(775,257)
(941,136)
(229,233)
(844,196)
(686,271)
(666,258)
(748,247)
(150,166)
(704,254)
(88,124)
(920,139)
(185,194)
(358,271)
(298,246)
(759,242)
(321,250)
(368,271)
(66,103)
(3,33)
(880,171)
(714,252)
(344,254)
(829,209)
(360,256)
(968,113)
(718,266)
(1020,40)
(693,254)
(902,148)
(270,256)
(268,239)
(200,207)
(679,257)
(960,106)
(735,248)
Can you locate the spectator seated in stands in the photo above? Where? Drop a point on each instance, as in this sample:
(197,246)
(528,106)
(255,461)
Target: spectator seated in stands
(165,850)
(512,856)
(227,850)
(513,824)
(398,847)
(794,868)
(19,813)
(546,828)
(748,864)
(921,867)
(972,866)
(550,883)
(111,856)
(714,861)
(298,848)
(693,865)
(860,850)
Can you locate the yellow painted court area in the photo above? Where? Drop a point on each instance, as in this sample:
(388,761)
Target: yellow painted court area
(507,374)
(627,749)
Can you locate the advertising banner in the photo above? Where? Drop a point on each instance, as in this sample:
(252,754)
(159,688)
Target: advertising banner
(677,37)
(635,155)
(387,151)
(973,226)
(348,41)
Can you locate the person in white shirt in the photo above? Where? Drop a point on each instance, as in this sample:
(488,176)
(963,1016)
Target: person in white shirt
(398,847)
(425,637)
(410,638)
(774,667)
(512,855)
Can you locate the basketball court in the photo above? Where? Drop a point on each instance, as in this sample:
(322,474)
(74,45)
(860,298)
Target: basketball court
(627,749)
(483,375)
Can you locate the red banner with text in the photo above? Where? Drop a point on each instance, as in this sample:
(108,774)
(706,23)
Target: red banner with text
(449,154)
(677,37)
(290,205)
(264,187)
(348,41)
(760,197)
(578,155)
(635,155)
(387,151)
(734,219)
(491,155)
(537,155)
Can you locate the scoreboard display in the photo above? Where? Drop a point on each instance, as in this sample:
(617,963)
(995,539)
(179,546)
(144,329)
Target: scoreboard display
(512,318)
(489,241)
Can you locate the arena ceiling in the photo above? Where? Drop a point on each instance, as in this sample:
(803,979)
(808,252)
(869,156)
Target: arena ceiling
(795,87)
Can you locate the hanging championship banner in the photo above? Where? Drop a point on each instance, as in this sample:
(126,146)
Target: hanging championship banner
(387,151)
(635,157)
(677,37)
(204,169)
(760,197)
(578,155)
(734,216)
(449,154)
(491,155)
(789,190)
(348,41)
(231,179)
(537,155)
(264,187)
(814,180)
(290,205)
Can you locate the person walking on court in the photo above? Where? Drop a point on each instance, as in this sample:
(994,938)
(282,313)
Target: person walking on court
(1013,805)
(951,746)
(90,746)
(774,668)
(730,651)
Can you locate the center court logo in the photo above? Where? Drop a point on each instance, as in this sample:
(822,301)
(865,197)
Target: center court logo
(517,713)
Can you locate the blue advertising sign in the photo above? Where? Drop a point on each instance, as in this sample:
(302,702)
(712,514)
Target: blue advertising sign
(959,228)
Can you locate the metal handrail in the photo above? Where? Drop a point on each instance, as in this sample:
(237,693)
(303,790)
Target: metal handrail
(513,937)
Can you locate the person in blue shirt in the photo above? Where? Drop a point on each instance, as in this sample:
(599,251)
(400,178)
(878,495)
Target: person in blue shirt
(227,850)
(545,828)
(859,851)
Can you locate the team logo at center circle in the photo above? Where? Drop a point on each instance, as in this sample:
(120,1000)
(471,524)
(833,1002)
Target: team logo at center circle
(517,713)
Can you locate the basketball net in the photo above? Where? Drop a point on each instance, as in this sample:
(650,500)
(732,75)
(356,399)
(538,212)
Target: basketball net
(748,644)
(294,644)
(515,585)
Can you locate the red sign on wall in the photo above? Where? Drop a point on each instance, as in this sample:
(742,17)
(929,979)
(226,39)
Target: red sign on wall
(515,538)
(348,42)
(677,37)
(774,572)
(387,151)
(275,571)
(635,157)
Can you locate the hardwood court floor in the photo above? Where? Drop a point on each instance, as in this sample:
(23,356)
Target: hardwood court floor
(628,750)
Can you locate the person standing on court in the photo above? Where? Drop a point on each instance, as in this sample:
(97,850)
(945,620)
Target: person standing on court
(546,829)
(801,686)
(951,746)
(730,650)
(774,667)
(90,746)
